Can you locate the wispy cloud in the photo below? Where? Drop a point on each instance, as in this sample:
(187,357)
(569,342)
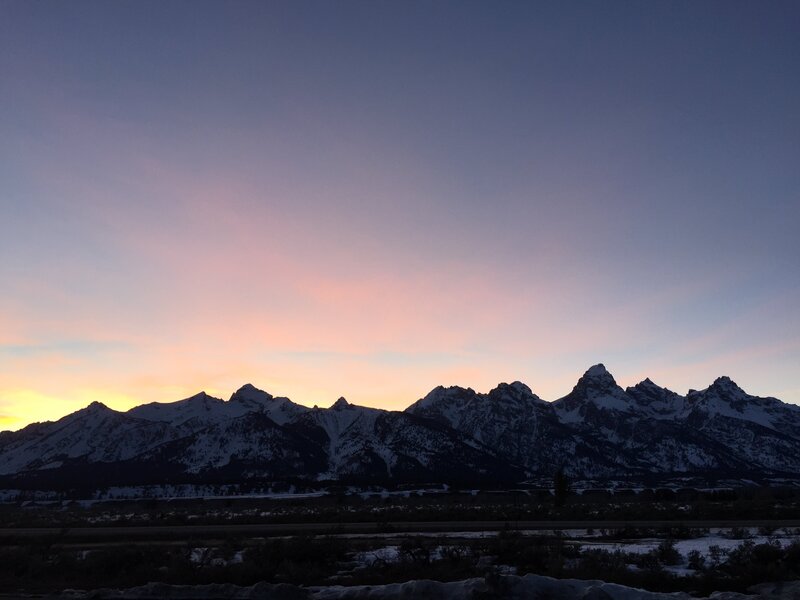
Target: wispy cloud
(281,217)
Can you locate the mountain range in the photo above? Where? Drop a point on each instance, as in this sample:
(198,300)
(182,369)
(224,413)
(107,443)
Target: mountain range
(597,431)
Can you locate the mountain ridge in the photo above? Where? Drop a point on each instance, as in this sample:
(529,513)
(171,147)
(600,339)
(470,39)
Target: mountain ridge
(598,430)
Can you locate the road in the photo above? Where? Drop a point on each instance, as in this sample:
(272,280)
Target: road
(158,532)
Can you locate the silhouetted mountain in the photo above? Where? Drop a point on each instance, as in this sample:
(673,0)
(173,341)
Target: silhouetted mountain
(596,431)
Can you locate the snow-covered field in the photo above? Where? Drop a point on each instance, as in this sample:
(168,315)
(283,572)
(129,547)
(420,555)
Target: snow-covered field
(718,541)
(720,538)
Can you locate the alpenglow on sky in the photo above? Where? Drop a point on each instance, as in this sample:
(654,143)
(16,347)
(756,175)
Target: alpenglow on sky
(370,199)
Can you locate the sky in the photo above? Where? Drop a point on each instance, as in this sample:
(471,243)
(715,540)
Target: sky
(369,199)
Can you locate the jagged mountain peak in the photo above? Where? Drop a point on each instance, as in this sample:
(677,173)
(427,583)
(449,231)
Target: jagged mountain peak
(723,389)
(597,383)
(596,370)
(251,399)
(514,391)
(95,410)
(200,408)
(595,390)
(97,406)
(341,404)
(199,398)
(598,375)
(441,394)
(250,392)
(723,399)
(648,386)
(248,387)
(656,401)
(515,386)
(728,385)
(450,390)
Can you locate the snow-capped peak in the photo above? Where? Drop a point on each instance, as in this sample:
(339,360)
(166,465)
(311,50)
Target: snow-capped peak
(647,385)
(514,392)
(599,374)
(249,392)
(598,383)
(727,385)
(251,399)
(656,401)
(598,388)
(723,390)
(725,398)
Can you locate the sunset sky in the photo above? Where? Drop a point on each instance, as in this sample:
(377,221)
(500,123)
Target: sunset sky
(369,199)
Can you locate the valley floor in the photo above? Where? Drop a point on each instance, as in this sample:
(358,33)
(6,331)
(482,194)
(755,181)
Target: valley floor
(326,543)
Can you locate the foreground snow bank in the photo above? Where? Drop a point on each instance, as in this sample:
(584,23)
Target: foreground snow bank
(505,587)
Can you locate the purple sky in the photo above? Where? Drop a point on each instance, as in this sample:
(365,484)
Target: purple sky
(369,198)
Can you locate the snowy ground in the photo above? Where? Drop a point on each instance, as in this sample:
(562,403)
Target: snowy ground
(720,540)
(702,544)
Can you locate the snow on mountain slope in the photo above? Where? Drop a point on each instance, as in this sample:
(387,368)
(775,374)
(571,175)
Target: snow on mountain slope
(655,401)
(597,430)
(725,398)
(761,432)
(483,416)
(250,399)
(521,428)
(604,414)
(202,410)
(94,434)
(656,430)
(251,445)
(369,442)
(190,414)
(348,438)
(596,391)
(511,420)
(445,404)
(669,446)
